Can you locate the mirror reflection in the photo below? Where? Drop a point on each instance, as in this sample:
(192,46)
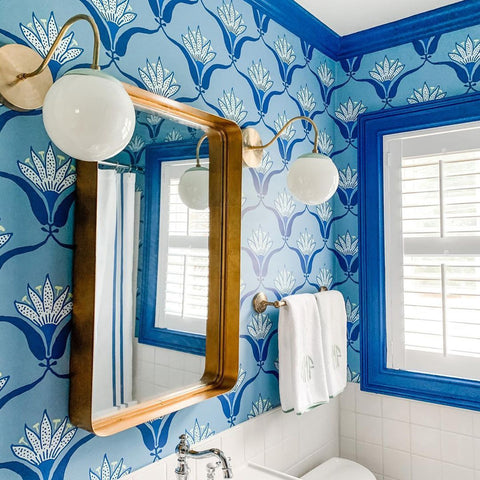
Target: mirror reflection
(152,265)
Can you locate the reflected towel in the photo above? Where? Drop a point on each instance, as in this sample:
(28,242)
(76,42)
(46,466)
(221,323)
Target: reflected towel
(333,319)
(114,290)
(302,376)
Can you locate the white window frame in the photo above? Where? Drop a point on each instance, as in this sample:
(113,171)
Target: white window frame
(421,143)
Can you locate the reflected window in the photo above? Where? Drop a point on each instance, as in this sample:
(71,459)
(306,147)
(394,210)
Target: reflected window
(175,254)
(183,257)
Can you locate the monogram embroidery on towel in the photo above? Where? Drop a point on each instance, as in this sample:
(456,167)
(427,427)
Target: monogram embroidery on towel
(337,354)
(307,366)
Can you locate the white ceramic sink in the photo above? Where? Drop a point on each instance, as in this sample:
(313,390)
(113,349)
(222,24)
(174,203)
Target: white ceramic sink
(258,472)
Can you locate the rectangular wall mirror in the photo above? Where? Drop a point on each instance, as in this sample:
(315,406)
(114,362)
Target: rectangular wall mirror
(156,269)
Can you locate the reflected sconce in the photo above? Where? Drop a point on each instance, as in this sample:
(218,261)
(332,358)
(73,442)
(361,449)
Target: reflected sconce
(193,185)
(312,178)
(86,113)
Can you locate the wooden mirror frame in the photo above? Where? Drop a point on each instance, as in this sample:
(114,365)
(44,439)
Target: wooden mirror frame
(221,363)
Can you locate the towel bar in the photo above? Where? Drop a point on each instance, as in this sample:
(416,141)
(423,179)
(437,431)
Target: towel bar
(260,301)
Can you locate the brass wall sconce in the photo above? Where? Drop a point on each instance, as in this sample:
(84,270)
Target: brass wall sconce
(312,178)
(87,113)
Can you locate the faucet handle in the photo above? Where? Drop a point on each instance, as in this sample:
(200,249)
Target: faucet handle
(211,468)
(183,446)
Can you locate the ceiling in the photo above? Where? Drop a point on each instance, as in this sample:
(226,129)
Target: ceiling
(364,14)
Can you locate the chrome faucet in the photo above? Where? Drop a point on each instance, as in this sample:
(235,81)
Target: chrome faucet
(184,451)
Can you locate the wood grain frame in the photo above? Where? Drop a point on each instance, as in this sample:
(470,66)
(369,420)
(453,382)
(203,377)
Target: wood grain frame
(221,369)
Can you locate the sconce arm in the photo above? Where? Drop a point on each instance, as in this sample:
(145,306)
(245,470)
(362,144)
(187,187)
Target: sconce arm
(68,24)
(199,144)
(300,117)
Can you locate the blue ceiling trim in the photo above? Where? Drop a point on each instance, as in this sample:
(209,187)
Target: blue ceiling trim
(303,24)
(435,22)
(297,20)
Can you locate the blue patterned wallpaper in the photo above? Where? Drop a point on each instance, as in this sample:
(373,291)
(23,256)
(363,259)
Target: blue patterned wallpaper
(230,59)
(220,56)
(421,71)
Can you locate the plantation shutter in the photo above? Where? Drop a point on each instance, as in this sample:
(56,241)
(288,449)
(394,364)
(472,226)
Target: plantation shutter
(183,257)
(432,247)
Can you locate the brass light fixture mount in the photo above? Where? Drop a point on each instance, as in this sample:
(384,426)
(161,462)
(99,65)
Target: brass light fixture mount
(253,146)
(197,153)
(24,76)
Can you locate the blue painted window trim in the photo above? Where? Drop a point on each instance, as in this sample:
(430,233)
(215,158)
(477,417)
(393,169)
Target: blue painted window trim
(375,376)
(297,20)
(148,333)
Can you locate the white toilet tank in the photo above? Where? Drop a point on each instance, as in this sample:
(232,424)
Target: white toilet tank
(339,469)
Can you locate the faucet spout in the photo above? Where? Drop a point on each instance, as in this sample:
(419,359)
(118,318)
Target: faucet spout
(184,451)
(214,452)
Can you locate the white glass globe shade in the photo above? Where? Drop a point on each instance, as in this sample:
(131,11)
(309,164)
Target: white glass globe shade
(313,178)
(89,115)
(193,188)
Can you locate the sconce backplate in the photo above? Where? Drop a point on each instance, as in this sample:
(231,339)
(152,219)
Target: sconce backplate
(25,94)
(251,138)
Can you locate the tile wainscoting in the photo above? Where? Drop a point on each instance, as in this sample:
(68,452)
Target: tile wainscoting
(400,439)
(286,442)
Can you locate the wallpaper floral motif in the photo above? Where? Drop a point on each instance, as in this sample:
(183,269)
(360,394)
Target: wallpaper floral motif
(225,57)
(231,59)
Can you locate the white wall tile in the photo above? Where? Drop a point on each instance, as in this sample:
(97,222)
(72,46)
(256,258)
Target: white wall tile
(347,398)
(476,424)
(426,414)
(170,465)
(312,439)
(290,424)
(291,451)
(410,440)
(348,448)
(370,456)
(273,429)
(425,468)
(396,434)
(396,464)
(457,420)
(454,472)
(369,429)
(254,438)
(274,439)
(396,408)
(426,442)
(347,424)
(275,459)
(368,403)
(233,445)
(476,449)
(458,449)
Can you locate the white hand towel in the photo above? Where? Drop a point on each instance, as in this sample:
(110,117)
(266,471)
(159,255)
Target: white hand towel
(104,273)
(303,381)
(333,319)
(114,292)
